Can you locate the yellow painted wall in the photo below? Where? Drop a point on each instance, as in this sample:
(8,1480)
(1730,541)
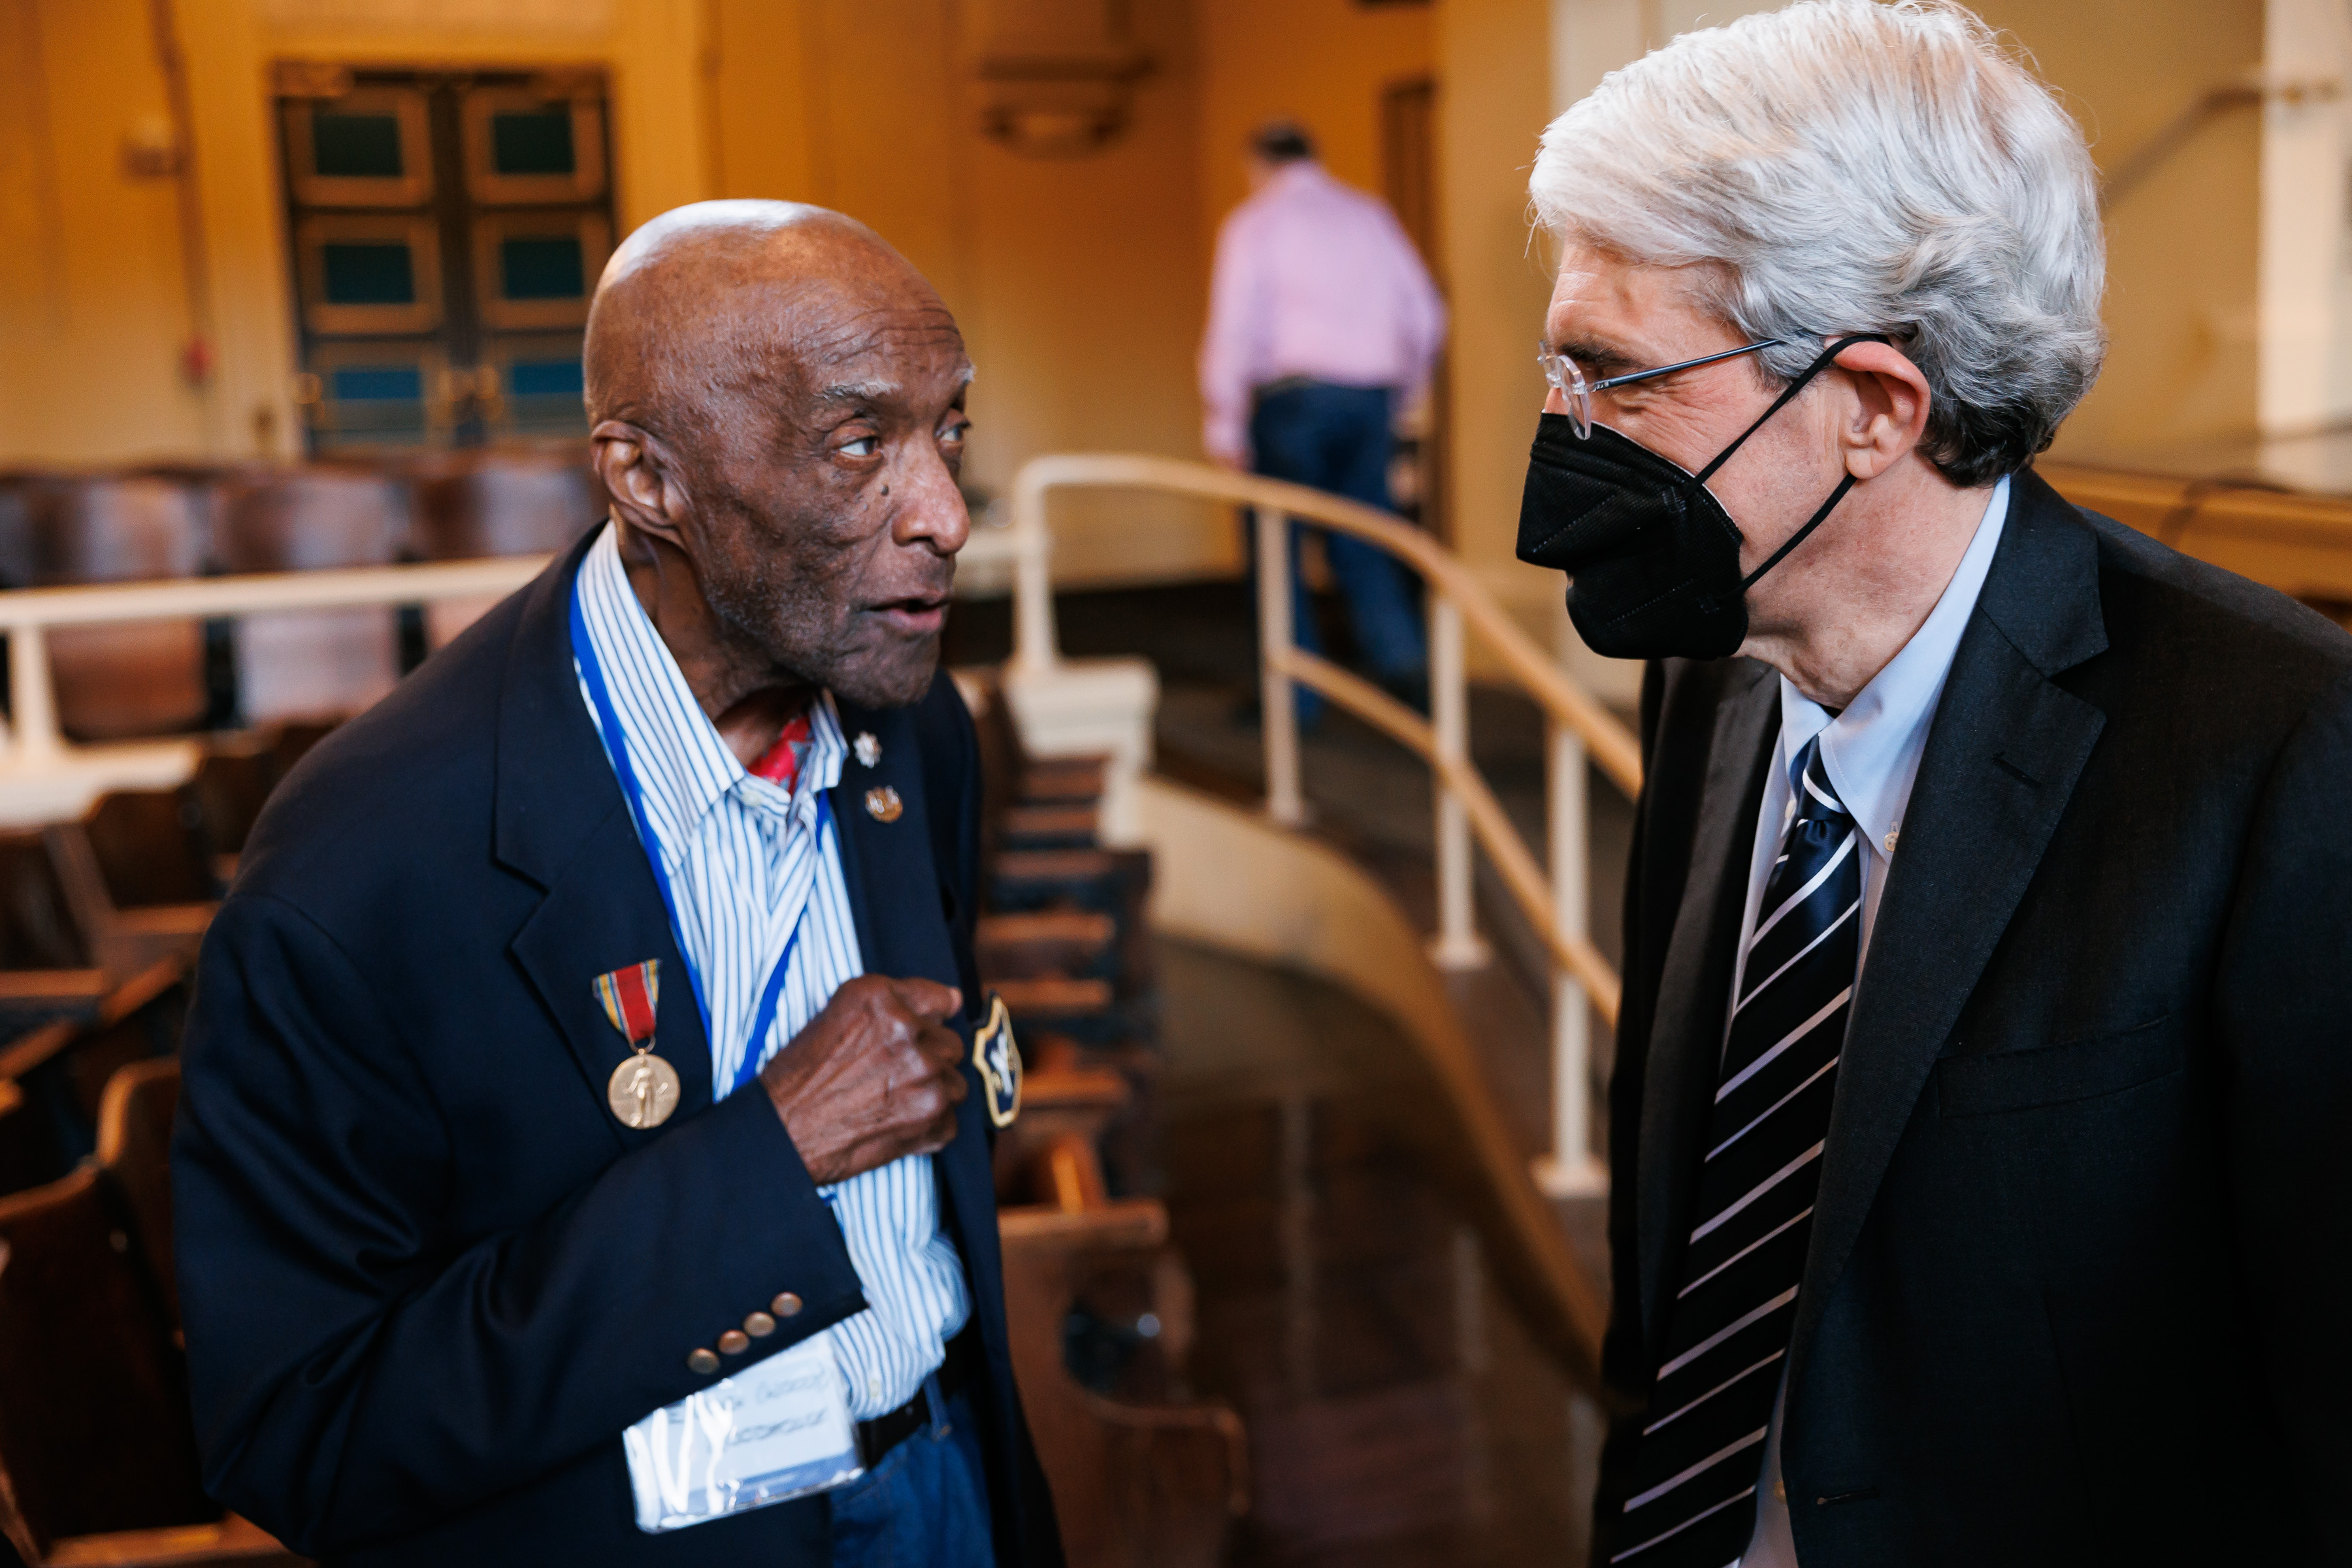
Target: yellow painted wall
(2182,248)
(87,359)
(93,307)
(1321,62)
(1493,65)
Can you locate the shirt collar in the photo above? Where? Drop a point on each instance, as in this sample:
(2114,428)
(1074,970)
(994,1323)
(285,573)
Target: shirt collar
(683,769)
(1300,174)
(1872,749)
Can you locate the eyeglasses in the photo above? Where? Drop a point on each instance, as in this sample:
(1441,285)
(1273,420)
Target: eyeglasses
(1568,379)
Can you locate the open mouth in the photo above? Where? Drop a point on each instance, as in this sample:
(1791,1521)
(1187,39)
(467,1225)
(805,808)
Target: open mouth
(916,616)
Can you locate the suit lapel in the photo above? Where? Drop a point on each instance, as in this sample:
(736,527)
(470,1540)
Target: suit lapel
(2004,753)
(902,930)
(560,821)
(1694,983)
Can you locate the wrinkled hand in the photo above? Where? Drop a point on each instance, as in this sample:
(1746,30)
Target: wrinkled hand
(876,1076)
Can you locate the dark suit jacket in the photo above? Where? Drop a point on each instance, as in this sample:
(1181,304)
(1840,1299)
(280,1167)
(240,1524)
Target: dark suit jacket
(427,1276)
(2080,1284)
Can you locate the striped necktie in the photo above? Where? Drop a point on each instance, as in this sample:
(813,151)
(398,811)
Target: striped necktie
(1694,1471)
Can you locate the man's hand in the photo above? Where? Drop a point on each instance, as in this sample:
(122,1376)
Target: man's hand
(877,1075)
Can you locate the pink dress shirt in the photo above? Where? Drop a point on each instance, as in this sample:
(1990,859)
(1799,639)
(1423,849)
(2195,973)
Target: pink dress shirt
(1313,278)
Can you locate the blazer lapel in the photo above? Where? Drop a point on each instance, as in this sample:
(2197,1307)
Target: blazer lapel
(2003,752)
(1685,1044)
(902,930)
(561,822)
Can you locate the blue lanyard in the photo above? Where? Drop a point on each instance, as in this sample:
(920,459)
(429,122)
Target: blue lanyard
(584,648)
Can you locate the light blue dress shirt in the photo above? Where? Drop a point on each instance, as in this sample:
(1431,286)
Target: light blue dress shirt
(1872,752)
(748,867)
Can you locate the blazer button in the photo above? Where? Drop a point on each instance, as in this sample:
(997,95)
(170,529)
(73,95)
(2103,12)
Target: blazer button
(733,1342)
(758,1325)
(786,1305)
(701,1361)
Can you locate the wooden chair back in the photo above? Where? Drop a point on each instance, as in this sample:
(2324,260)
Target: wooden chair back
(501,501)
(293,743)
(134,1147)
(93,528)
(95,1433)
(150,847)
(309,518)
(37,927)
(48,964)
(230,786)
(30,1152)
(63,1067)
(20,492)
(1136,1486)
(306,663)
(146,678)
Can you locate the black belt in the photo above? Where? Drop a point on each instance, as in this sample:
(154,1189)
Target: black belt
(1281,385)
(886,1431)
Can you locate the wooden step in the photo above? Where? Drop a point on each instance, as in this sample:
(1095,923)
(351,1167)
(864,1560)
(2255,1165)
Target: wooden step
(1043,942)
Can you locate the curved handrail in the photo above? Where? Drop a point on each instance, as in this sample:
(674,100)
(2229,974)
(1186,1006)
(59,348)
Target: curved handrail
(1613,746)
(1466,807)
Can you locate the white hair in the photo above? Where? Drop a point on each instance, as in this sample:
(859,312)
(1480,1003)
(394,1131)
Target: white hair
(1849,166)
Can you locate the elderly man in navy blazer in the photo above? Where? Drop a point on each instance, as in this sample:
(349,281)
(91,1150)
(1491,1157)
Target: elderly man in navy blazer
(593,1031)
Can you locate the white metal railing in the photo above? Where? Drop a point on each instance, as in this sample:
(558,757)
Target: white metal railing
(1579,728)
(34,743)
(27,613)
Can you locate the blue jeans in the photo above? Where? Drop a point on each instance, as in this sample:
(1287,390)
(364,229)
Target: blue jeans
(924,1506)
(1337,438)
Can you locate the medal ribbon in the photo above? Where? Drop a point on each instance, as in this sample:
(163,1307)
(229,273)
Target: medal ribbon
(617,743)
(632,999)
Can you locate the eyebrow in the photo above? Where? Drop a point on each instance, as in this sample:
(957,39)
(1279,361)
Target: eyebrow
(860,390)
(1600,358)
(874,391)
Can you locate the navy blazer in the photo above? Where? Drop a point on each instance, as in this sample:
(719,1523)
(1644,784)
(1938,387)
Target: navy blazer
(427,1276)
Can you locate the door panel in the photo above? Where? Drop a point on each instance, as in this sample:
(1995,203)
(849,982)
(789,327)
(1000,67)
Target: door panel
(448,231)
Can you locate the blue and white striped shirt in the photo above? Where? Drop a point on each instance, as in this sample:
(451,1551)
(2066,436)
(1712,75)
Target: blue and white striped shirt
(746,866)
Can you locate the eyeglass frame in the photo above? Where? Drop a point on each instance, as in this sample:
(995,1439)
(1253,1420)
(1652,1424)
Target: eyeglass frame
(1579,397)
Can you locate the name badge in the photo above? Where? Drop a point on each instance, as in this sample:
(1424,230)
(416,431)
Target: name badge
(777,1430)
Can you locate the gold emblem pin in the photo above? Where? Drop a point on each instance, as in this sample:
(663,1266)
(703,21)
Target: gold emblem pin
(997,1056)
(869,748)
(882,805)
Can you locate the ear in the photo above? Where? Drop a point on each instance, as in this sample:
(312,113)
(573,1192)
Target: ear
(1890,410)
(642,478)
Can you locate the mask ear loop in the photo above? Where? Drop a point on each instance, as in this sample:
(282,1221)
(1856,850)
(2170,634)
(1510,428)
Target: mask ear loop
(1779,403)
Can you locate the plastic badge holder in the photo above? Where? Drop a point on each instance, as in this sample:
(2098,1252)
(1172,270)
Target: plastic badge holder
(777,1430)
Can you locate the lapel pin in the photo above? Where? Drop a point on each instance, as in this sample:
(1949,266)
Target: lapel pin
(998,1058)
(869,748)
(643,1090)
(882,805)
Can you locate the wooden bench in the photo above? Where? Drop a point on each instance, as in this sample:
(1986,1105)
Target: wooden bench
(1136,1484)
(98,1455)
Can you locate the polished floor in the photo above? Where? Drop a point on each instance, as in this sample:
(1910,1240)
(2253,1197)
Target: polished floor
(1398,1413)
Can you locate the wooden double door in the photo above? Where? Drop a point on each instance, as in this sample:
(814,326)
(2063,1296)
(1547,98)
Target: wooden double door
(447,230)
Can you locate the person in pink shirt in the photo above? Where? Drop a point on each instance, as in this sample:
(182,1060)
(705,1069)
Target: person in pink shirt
(1321,321)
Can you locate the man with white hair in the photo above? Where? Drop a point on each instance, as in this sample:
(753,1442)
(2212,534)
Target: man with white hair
(1980,1199)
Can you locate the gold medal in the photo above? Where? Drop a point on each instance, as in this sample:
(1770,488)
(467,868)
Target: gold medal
(643,1090)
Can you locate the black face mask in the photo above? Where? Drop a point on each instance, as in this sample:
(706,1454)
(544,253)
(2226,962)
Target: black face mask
(1653,557)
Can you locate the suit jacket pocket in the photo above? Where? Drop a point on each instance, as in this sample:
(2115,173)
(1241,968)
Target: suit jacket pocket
(2000,1081)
